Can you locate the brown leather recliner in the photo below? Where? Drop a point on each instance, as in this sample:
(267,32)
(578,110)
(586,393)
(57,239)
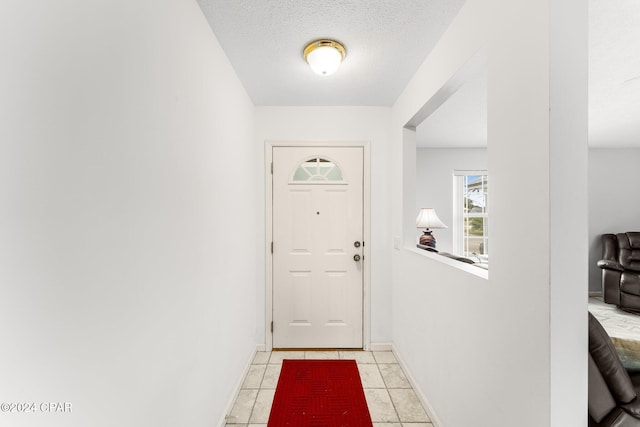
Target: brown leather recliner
(620,266)
(613,392)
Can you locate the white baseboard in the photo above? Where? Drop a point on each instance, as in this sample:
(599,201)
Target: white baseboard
(236,390)
(431,413)
(380,346)
(261,347)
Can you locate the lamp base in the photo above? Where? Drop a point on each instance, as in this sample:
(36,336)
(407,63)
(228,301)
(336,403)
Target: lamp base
(427,239)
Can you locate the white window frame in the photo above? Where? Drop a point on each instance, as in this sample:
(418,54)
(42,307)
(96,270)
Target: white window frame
(458,211)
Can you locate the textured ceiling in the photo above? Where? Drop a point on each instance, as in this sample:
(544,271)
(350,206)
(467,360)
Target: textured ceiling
(386,41)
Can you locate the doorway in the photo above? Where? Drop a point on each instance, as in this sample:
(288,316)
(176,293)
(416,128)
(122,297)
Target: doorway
(317,232)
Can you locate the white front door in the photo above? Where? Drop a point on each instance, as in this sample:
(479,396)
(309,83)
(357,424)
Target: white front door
(317,247)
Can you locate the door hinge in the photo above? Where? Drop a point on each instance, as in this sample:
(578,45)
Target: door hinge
(271,327)
(271,247)
(271,168)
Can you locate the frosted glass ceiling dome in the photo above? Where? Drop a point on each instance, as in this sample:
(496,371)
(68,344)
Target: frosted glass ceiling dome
(324,56)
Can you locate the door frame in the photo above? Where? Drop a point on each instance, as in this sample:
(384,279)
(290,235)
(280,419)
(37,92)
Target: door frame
(366,224)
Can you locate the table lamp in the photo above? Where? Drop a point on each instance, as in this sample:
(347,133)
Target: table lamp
(428,219)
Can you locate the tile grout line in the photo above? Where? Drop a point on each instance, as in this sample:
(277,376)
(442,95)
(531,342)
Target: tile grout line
(257,394)
(260,389)
(253,407)
(263,375)
(389,394)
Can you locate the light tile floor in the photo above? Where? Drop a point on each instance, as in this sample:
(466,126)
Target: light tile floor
(392,402)
(618,323)
(623,328)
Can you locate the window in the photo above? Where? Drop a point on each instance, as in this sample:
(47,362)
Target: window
(318,170)
(471,214)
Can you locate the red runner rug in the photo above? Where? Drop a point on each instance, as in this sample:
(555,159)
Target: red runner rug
(319,393)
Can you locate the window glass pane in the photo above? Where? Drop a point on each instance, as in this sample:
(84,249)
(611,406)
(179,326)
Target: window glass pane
(300,174)
(475,226)
(475,245)
(324,168)
(334,174)
(317,170)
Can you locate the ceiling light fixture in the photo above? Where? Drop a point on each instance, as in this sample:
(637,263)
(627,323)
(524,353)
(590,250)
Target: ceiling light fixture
(324,56)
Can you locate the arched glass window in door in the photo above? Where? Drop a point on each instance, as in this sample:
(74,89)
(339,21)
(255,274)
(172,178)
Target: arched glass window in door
(318,170)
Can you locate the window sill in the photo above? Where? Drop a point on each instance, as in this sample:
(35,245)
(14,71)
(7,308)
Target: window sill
(479,270)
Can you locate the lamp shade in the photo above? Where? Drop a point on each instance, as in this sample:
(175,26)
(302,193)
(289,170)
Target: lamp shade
(324,56)
(427,218)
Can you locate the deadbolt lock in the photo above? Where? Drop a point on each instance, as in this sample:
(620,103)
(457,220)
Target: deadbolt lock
(356,244)
(356,257)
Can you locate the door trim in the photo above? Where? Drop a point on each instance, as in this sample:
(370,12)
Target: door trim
(366,195)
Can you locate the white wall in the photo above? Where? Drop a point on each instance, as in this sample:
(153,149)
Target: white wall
(510,350)
(343,124)
(434,183)
(126,214)
(613,208)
